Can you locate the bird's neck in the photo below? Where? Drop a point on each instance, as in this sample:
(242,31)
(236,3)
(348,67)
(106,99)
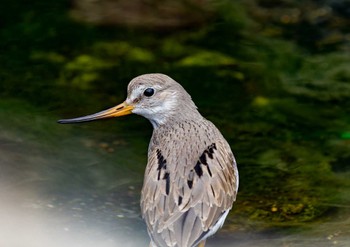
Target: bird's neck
(176,117)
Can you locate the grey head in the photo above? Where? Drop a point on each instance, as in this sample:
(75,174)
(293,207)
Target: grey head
(156,97)
(160,99)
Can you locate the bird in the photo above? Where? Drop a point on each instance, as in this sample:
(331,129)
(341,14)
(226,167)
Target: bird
(191,178)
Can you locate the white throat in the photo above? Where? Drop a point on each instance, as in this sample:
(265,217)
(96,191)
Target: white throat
(159,114)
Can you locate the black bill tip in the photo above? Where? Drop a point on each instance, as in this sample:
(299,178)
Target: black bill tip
(68,121)
(75,120)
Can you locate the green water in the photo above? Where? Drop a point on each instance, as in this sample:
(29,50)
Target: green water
(276,87)
(79,186)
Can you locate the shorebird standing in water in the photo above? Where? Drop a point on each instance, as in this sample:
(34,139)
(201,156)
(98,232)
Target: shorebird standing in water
(191,178)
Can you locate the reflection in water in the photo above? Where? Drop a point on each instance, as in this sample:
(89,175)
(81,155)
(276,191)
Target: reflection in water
(67,194)
(28,220)
(46,202)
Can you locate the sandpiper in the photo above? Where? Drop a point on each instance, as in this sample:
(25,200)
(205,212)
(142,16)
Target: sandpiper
(191,178)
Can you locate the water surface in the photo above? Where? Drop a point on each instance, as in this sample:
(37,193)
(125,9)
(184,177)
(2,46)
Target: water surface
(76,186)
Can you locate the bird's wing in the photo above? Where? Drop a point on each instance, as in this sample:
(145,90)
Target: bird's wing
(182,205)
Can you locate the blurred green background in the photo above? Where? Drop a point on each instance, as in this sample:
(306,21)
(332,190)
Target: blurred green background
(273,75)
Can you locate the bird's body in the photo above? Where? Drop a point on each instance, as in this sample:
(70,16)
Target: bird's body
(191,178)
(189,183)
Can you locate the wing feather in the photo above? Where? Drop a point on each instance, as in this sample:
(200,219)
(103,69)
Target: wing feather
(199,194)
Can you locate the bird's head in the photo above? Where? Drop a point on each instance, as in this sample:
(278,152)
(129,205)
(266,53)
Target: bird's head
(156,97)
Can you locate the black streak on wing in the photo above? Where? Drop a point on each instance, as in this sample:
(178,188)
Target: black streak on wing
(209,171)
(198,169)
(167,182)
(180,201)
(190,183)
(162,166)
(211,149)
(161,162)
(203,160)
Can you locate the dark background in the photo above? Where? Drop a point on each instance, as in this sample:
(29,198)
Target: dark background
(273,75)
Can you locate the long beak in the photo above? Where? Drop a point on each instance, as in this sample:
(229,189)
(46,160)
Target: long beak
(117,111)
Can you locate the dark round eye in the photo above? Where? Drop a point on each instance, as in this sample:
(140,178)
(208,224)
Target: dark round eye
(148,92)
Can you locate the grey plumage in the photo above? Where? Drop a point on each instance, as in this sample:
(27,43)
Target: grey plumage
(191,178)
(201,189)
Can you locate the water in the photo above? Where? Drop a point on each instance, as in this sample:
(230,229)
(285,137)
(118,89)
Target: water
(272,75)
(64,187)
(56,190)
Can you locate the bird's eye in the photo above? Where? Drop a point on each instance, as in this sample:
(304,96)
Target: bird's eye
(148,92)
